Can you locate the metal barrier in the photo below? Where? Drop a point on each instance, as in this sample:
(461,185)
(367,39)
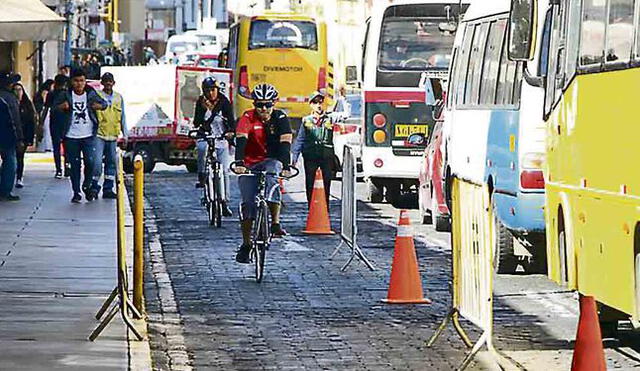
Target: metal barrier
(348,221)
(121,291)
(472,241)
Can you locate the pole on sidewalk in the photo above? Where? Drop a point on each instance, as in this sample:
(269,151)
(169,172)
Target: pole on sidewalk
(119,298)
(138,233)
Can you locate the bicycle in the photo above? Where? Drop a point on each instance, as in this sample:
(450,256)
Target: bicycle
(261,233)
(213,190)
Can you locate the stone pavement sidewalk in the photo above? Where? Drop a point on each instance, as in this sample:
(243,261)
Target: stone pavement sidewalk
(57,266)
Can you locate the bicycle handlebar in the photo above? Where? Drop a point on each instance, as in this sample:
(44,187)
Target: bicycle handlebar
(250,172)
(198,134)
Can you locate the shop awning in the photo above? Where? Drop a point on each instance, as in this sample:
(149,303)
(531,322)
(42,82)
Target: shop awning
(23,20)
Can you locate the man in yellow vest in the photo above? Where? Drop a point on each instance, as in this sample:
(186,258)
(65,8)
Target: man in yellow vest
(111,122)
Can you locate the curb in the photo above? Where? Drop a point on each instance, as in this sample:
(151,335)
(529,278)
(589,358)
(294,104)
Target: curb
(139,352)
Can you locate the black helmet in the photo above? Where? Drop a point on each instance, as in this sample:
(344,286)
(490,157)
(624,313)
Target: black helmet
(209,83)
(264,92)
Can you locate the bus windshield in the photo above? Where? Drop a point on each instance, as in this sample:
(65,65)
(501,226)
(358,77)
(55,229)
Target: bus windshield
(415,43)
(283,34)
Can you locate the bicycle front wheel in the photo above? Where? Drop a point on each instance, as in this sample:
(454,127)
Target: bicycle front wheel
(210,196)
(217,199)
(261,240)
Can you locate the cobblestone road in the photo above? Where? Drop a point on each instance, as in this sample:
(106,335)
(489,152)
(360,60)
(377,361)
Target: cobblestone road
(306,314)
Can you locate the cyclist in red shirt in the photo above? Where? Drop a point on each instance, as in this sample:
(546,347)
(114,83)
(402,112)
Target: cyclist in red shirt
(263,143)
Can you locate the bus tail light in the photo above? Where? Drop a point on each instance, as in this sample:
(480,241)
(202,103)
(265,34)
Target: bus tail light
(243,89)
(379,120)
(322,78)
(379,136)
(533,160)
(532,179)
(378,163)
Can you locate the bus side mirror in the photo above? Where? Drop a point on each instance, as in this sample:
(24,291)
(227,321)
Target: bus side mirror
(351,74)
(522,29)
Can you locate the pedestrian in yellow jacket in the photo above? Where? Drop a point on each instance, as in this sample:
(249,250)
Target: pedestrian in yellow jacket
(111,122)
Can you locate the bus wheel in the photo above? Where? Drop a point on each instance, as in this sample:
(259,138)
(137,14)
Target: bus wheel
(504,259)
(608,318)
(375,191)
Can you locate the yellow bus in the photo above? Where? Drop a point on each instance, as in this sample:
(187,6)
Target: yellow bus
(286,50)
(592,210)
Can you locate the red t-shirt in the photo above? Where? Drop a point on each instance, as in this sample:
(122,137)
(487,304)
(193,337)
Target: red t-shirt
(263,139)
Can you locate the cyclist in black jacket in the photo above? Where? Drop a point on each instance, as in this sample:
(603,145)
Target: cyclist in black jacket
(214,116)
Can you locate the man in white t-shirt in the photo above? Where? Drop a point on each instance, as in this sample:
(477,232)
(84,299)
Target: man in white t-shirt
(80,104)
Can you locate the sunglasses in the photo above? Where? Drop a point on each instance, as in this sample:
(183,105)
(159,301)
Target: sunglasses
(317,101)
(262,105)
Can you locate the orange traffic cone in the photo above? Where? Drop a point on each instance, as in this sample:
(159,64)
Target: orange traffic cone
(405,286)
(281,182)
(588,353)
(318,218)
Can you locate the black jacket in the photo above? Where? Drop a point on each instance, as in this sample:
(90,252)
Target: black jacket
(222,107)
(12,103)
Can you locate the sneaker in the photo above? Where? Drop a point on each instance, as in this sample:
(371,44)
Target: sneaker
(58,175)
(10,197)
(91,195)
(277,231)
(110,195)
(19,183)
(243,254)
(76,198)
(226,211)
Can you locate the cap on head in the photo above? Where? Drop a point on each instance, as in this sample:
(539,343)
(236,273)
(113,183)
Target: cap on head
(9,78)
(316,94)
(107,76)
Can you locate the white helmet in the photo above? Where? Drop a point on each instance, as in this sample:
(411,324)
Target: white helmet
(264,92)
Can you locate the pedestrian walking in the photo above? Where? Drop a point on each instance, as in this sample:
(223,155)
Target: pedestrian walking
(80,104)
(111,122)
(57,122)
(315,142)
(28,120)
(43,135)
(10,135)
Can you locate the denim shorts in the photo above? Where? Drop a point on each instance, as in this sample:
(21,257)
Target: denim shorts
(248,185)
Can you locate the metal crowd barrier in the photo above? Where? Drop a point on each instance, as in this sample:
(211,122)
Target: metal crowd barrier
(472,241)
(121,292)
(348,221)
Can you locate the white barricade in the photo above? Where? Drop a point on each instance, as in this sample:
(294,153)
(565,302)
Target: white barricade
(348,221)
(472,241)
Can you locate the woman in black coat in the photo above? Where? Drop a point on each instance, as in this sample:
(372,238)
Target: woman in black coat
(28,118)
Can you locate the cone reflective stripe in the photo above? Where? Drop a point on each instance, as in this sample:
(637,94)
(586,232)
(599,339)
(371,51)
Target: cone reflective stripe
(405,285)
(318,218)
(588,353)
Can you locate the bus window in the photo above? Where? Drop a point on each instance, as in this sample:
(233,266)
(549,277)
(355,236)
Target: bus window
(492,62)
(462,70)
(506,80)
(620,30)
(475,64)
(592,35)
(413,43)
(283,34)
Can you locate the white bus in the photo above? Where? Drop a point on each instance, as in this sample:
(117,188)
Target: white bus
(494,134)
(405,42)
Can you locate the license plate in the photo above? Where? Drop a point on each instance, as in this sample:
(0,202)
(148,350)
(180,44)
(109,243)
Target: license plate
(404,130)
